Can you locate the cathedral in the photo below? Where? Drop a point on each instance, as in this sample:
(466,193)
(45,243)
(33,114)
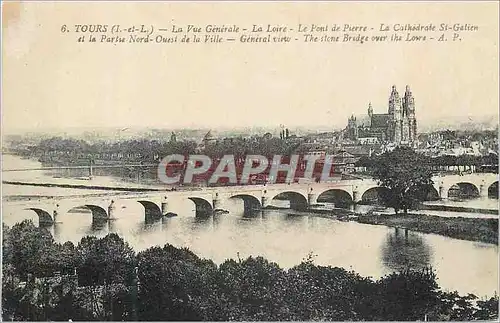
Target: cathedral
(398,125)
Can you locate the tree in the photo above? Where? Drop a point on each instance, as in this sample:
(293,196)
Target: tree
(406,174)
(252,290)
(108,260)
(175,285)
(26,247)
(409,295)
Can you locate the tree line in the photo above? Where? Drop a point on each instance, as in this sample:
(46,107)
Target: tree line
(104,279)
(445,160)
(154,150)
(150,150)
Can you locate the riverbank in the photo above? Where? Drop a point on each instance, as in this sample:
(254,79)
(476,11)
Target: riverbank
(88,187)
(472,229)
(435,207)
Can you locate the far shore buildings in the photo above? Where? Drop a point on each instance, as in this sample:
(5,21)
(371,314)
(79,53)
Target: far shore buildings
(397,126)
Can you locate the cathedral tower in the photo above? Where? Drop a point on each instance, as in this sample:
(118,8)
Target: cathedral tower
(352,128)
(396,113)
(409,106)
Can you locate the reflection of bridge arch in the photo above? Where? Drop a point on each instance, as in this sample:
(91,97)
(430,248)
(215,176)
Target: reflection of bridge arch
(296,199)
(151,210)
(339,197)
(493,190)
(203,207)
(463,189)
(44,217)
(374,195)
(250,202)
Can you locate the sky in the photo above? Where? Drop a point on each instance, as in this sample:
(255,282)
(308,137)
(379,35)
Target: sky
(51,81)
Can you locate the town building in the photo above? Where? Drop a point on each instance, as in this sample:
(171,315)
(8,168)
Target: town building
(208,140)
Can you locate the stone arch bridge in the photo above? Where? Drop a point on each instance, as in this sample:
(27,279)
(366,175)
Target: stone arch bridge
(208,200)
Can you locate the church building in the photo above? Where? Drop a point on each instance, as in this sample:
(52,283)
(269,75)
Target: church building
(398,125)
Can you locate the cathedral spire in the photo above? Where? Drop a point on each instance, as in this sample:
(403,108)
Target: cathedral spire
(394,102)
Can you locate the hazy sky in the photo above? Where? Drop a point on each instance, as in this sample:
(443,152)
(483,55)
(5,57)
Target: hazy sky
(51,81)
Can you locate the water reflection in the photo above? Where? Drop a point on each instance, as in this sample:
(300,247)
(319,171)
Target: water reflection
(285,237)
(100,225)
(252,214)
(147,227)
(404,249)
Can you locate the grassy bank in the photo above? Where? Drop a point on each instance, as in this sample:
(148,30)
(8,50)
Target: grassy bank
(472,229)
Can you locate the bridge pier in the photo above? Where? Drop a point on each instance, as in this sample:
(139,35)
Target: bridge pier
(216,202)
(164,209)
(111,210)
(312,198)
(55,213)
(483,190)
(443,192)
(356,197)
(265,201)
(164,206)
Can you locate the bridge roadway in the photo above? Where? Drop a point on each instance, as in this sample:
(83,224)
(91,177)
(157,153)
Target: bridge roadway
(208,200)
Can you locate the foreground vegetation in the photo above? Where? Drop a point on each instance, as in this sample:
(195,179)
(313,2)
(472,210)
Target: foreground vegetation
(472,229)
(104,279)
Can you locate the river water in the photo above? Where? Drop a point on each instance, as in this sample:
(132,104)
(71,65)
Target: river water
(284,237)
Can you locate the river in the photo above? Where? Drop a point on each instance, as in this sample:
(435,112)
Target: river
(280,236)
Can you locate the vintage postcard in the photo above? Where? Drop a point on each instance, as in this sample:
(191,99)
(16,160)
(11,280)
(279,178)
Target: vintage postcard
(250,161)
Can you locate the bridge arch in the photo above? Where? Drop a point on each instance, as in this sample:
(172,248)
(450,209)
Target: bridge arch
(339,197)
(374,195)
(203,207)
(151,210)
(250,202)
(297,200)
(98,212)
(432,193)
(463,190)
(44,217)
(493,190)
